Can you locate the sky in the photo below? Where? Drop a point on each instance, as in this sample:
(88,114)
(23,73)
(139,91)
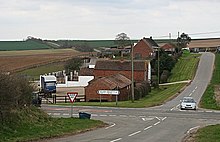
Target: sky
(104,19)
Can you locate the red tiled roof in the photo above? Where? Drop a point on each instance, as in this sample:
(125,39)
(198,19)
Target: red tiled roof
(167,46)
(139,65)
(114,81)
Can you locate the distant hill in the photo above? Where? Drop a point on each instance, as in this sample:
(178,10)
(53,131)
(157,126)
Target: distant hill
(22,45)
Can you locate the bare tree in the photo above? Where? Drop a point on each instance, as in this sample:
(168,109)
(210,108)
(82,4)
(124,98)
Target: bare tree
(122,40)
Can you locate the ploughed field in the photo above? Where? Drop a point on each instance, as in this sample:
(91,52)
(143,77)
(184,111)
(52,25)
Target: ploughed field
(12,61)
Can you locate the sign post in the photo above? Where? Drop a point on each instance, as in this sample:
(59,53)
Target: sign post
(72,97)
(109,92)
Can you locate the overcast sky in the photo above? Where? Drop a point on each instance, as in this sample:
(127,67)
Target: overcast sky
(104,19)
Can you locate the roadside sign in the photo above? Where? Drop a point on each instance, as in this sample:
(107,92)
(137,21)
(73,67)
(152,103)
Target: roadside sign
(72,96)
(108,92)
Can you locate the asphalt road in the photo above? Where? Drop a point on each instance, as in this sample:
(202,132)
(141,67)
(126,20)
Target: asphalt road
(166,123)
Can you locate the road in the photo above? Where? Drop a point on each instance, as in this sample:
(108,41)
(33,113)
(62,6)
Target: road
(165,123)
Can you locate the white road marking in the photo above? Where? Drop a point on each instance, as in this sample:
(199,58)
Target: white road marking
(196,88)
(132,116)
(134,133)
(175,107)
(190,94)
(147,128)
(56,113)
(112,115)
(110,126)
(157,123)
(123,115)
(157,118)
(192,129)
(163,118)
(116,140)
(103,115)
(94,115)
(147,119)
(49,113)
(142,116)
(66,114)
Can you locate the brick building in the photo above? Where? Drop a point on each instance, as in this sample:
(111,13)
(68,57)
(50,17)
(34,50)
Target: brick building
(112,82)
(142,69)
(145,49)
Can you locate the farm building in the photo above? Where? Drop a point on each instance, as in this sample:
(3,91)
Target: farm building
(204,45)
(112,82)
(145,49)
(142,69)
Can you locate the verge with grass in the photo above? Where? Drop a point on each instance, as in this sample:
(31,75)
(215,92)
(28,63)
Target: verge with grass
(208,134)
(208,100)
(33,124)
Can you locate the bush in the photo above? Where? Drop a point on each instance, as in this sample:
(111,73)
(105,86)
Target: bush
(15,93)
(141,90)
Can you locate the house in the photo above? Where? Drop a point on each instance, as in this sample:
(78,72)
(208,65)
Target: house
(112,82)
(142,69)
(169,48)
(145,49)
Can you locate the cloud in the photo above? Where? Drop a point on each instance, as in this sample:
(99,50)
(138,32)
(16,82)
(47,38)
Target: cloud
(100,19)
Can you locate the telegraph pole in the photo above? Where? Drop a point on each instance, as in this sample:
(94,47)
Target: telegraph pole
(132,74)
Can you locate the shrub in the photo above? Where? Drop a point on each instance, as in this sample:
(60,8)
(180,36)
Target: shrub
(15,93)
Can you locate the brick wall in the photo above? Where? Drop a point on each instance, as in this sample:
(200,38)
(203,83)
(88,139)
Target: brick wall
(92,95)
(142,50)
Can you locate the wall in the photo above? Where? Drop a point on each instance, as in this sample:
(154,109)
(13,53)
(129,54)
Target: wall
(143,49)
(82,82)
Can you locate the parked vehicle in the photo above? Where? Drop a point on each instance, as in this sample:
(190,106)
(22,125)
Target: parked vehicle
(36,99)
(188,103)
(48,84)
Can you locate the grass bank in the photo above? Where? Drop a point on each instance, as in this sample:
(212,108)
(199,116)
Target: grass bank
(208,99)
(208,134)
(33,124)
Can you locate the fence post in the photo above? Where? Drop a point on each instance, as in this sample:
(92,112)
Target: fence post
(65,99)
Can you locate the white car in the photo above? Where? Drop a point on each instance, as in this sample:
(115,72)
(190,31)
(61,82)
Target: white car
(188,103)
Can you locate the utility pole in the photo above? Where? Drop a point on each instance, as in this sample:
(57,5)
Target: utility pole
(132,74)
(158,66)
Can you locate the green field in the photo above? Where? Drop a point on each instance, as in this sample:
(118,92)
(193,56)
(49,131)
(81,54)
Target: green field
(21,45)
(34,73)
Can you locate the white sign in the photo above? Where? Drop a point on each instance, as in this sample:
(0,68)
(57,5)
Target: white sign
(72,96)
(108,92)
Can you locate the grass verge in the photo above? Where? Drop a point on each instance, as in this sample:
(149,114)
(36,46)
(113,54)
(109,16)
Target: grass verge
(33,124)
(208,99)
(208,134)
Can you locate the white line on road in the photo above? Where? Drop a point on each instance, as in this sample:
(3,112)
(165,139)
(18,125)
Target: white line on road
(192,129)
(116,140)
(110,126)
(66,114)
(134,133)
(157,123)
(157,118)
(190,94)
(163,118)
(103,115)
(112,115)
(56,113)
(123,115)
(147,128)
(94,114)
(196,88)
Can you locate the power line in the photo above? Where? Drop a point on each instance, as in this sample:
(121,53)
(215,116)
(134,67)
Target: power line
(190,34)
